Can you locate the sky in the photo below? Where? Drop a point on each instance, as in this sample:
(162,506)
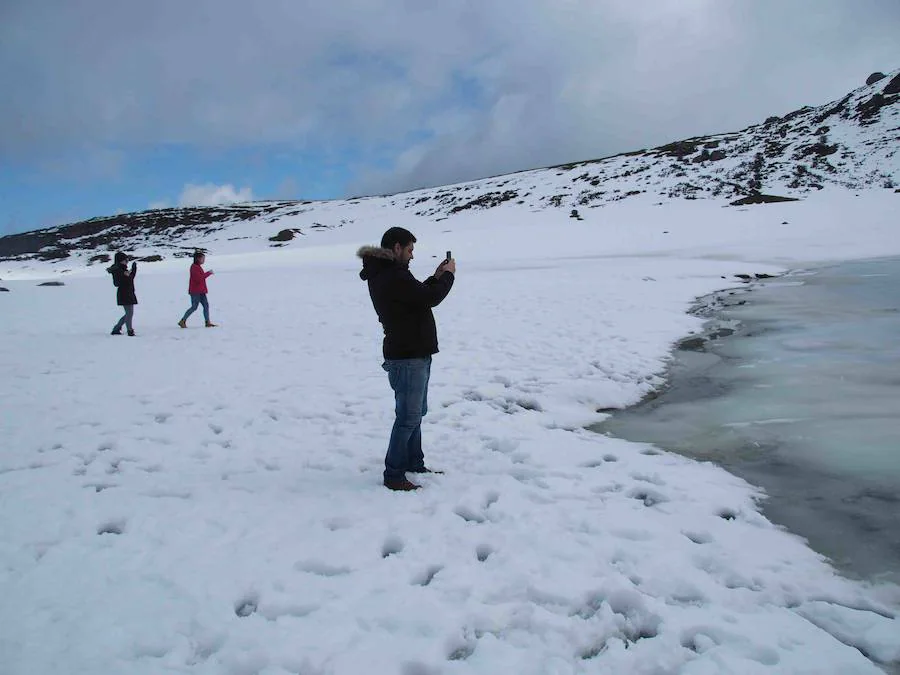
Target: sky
(117,107)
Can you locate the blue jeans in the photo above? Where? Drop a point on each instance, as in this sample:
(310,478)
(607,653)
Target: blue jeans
(126,319)
(196,300)
(409,380)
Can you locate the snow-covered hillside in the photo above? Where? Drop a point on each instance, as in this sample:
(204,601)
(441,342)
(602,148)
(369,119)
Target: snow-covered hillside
(851,143)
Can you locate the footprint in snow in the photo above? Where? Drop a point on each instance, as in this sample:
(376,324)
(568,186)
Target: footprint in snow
(321,569)
(426,577)
(648,496)
(112,527)
(483,552)
(392,545)
(468,514)
(698,537)
(100,487)
(246,605)
(338,523)
(727,514)
(462,649)
(491,498)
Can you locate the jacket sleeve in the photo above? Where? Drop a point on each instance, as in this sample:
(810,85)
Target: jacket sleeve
(419,295)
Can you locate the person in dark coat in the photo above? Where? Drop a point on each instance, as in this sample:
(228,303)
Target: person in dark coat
(123,280)
(403,305)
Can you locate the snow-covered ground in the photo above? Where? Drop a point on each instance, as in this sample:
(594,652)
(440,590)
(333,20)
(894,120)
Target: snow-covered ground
(210,500)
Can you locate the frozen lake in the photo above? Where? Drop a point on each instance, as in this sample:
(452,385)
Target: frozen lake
(803,400)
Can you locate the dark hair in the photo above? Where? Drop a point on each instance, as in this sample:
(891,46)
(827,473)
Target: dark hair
(198,255)
(397,235)
(121,257)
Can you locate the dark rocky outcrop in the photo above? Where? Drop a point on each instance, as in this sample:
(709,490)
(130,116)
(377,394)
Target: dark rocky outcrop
(893,87)
(678,149)
(869,111)
(286,235)
(487,201)
(52,283)
(761,199)
(707,156)
(875,77)
(819,149)
(113,232)
(283,235)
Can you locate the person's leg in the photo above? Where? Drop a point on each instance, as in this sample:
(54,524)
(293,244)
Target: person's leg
(414,454)
(408,378)
(129,315)
(195,303)
(117,329)
(205,303)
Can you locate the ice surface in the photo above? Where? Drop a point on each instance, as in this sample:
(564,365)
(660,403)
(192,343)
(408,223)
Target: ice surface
(810,408)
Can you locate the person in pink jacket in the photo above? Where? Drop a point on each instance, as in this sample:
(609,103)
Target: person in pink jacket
(197,290)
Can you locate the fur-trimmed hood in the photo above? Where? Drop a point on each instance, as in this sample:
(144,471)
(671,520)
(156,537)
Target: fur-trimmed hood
(375,260)
(375,252)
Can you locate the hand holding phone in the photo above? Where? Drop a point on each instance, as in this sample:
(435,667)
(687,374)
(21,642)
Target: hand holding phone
(448,265)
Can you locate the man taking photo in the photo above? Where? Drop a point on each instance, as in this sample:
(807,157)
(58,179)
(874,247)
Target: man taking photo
(403,305)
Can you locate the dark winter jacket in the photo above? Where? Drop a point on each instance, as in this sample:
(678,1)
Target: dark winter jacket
(403,303)
(123,279)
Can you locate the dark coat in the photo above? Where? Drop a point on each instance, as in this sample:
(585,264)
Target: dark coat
(403,303)
(123,278)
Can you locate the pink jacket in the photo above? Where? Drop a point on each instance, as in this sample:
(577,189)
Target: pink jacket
(197,283)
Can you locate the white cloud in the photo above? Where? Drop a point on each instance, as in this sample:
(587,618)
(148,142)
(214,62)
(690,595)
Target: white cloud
(210,194)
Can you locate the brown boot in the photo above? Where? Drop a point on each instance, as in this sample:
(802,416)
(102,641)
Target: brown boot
(210,324)
(182,324)
(401,485)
